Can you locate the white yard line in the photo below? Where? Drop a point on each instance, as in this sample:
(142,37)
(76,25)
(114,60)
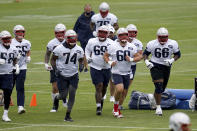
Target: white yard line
(81,126)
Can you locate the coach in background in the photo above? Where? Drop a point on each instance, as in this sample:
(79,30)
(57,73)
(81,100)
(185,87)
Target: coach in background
(160,63)
(82,28)
(23,47)
(8,59)
(65,60)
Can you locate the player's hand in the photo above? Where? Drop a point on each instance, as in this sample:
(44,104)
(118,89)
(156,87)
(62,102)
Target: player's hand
(47,67)
(89,60)
(169,61)
(28,59)
(17,69)
(149,64)
(129,59)
(2,61)
(81,66)
(112,63)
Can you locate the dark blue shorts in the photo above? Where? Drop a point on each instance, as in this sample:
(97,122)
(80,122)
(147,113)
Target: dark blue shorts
(133,70)
(100,76)
(64,82)
(6,81)
(53,77)
(124,79)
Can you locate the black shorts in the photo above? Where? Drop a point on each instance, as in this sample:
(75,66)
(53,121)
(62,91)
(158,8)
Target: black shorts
(160,72)
(53,77)
(64,82)
(6,81)
(121,79)
(100,76)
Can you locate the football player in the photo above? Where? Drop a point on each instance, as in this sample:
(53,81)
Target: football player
(120,56)
(8,59)
(65,61)
(99,70)
(160,63)
(179,122)
(23,47)
(59,31)
(132,33)
(103,18)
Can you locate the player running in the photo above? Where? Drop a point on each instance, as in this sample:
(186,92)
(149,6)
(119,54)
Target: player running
(161,61)
(120,55)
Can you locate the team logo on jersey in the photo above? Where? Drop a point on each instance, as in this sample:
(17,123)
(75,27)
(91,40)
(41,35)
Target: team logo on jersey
(78,51)
(170,46)
(130,48)
(108,19)
(136,44)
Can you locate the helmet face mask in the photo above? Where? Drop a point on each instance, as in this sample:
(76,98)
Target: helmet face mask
(60,35)
(102,35)
(104,9)
(19,32)
(6,38)
(71,37)
(132,34)
(123,38)
(162,35)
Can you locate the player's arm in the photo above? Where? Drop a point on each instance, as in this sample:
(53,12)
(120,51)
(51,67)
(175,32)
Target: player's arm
(92,26)
(147,62)
(177,55)
(46,60)
(81,64)
(53,61)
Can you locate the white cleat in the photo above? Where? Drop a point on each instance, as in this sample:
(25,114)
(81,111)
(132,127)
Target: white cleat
(112,99)
(115,114)
(21,110)
(6,118)
(53,110)
(120,116)
(158,111)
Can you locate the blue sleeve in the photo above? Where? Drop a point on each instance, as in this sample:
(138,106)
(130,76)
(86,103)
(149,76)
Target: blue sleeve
(76,26)
(146,52)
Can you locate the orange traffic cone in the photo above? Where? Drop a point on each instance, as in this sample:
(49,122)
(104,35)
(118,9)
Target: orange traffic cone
(33,101)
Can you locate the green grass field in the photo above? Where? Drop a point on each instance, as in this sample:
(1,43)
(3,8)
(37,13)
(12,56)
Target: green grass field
(39,18)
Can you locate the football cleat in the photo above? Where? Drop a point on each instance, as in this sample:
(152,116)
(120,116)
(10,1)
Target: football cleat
(98,111)
(115,114)
(86,70)
(158,111)
(68,119)
(6,118)
(112,99)
(21,110)
(120,114)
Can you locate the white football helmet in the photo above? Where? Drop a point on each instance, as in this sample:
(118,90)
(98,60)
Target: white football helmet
(104,9)
(60,30)
(122,34)
(178,121)
(19,32)
(162,35)
(103,32)
(111,28)
(132,31)
(71,37)
(6,38)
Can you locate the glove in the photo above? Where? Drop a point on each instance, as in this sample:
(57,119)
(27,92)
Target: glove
(17,69)
(2,61)
(149,64)
(169,61)
(89,60)
(28,59)
(47,67)
(81,66)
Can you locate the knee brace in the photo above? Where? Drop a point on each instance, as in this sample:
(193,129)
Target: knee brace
(158,87)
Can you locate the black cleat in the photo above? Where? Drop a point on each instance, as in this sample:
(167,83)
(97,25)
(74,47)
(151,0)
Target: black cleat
(98,111)
(68,118)
(86,70)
